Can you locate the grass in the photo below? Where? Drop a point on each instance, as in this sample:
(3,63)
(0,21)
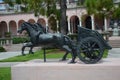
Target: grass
(105,53)
(52,53)
(5,73)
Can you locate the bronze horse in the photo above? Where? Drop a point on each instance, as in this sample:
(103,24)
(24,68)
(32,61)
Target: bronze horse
(49,39)
(37,27)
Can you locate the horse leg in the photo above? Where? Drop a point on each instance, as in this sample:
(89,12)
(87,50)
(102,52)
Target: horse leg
(30,51)
(73,58)
(69,50)
(65,56)
(23,48)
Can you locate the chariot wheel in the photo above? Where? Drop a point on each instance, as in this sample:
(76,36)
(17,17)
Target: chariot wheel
(90,50)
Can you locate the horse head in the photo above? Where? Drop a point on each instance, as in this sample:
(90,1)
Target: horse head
(22,27)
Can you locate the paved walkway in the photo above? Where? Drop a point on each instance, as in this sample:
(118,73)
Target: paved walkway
(114,53)
(5,55)
(14,50)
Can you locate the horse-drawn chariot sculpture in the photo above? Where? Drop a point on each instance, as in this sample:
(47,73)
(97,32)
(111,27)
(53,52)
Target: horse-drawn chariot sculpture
(89,46)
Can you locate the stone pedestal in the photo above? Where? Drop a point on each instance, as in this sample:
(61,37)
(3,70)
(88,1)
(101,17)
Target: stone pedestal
(107,69)
(115,32)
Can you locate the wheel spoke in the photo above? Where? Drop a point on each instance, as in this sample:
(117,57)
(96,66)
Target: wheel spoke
(88,54)
(83,46)
(82,51)
(90,50)
(89,45)
(96,49)
(93,45)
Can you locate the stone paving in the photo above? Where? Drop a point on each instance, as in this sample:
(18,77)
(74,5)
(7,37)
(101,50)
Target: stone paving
(114,53)
(4,55)
(107,69)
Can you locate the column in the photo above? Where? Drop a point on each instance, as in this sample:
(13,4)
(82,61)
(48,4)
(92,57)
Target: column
(80,21)
(105,24)
(46,23)
(93,24)
(69,32)
(57,27)
(8,28)
(17,25)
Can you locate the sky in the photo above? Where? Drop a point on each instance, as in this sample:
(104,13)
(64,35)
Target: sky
(1,1)
(1,6)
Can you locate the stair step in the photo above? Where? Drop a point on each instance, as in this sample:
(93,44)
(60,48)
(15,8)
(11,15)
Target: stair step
(115,43)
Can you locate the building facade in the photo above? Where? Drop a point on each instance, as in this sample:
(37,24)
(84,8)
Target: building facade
(10,21)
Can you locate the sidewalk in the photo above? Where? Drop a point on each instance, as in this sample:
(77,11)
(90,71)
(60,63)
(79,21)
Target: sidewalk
(114,53)
(5,55)
(14,50)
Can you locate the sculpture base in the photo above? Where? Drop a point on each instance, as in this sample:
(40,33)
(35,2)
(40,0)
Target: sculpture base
(107,69)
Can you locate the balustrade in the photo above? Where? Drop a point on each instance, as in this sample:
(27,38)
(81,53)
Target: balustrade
(5,41)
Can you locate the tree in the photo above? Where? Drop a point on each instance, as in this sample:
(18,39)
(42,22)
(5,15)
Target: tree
(116,14)
(44,7)
(90,6)
(103,7)
(63,17)
(39,7)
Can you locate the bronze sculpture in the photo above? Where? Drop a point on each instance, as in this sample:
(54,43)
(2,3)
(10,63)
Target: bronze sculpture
(37,27)
(89,47)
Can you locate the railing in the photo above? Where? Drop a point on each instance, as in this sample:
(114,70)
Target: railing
(5,41)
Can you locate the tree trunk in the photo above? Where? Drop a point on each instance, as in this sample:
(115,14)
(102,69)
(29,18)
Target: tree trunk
(63,17)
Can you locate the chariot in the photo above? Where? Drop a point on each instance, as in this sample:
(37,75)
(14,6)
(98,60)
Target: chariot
(89,46)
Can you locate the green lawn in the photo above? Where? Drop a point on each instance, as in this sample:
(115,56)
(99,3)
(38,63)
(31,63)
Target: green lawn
(52,53)
(5,73)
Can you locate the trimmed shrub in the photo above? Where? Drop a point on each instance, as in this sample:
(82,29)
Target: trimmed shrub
(17,40)
(2,49)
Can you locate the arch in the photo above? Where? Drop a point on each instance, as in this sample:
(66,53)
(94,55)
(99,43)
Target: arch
(20,22)
(13,28)
(88,22)
(41,21)
(74,21)
(52,23)
(99,22)
(3,28)
(31,21)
